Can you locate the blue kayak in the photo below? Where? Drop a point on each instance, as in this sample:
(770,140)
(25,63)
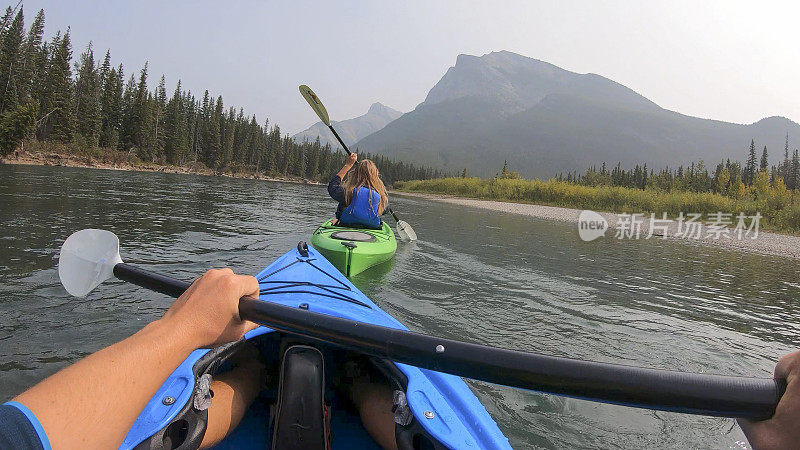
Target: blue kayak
(304,402)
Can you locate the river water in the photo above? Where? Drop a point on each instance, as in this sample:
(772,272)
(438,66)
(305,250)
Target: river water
(479,276)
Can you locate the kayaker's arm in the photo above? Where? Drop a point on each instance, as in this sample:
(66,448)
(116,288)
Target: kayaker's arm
(783,429)
(335,189)
(93,403)
(351,161)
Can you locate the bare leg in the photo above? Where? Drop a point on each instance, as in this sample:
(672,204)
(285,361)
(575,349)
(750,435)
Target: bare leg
(374,403)
(234,391)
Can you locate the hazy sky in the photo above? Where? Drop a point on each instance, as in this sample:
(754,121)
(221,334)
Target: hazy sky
(730,60)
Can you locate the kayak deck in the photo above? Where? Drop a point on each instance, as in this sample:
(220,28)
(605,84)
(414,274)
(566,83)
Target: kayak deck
(446,414)
(354,250)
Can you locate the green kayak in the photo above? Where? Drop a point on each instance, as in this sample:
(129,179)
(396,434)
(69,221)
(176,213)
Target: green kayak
(354,250)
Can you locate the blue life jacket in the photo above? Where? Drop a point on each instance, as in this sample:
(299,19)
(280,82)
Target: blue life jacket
(359,211)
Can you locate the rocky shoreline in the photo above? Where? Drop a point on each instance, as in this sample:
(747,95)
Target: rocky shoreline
(766,243)
(46,158)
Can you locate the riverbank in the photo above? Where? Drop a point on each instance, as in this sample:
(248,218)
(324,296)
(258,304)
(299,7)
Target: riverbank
(778,207)
(120,161)
(766,243)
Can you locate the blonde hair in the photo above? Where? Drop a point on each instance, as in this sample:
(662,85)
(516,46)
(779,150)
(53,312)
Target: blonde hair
(365,174)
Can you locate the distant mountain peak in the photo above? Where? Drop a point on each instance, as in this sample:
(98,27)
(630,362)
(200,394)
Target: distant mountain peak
(777,119)
(517,82)
(379,107)
(351,130)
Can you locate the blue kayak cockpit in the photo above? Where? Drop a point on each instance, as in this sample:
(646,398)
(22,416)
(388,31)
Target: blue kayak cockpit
(431,409)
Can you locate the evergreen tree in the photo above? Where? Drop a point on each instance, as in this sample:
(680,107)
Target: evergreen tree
(287,156)
(60,92)
(87,97)
(764,163)
(795,177)
(128,121)
(227,137)
(193,118)
(159,118)
(785,167)
(11,63)
(5,21)
(38,89)
(274,147)
(105,68)
(143,119)
(175,129)
(750,168)
(210,137)
(31,72)
(111,106)
(313,162)
(203,117)
(15,124)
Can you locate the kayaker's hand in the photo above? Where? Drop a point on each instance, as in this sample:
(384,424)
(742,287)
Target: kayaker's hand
(209,309)
(351,160)
(783,429)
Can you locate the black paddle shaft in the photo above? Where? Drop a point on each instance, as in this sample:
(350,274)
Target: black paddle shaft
(339,139)
(693,393)
(151,280)
(394,215)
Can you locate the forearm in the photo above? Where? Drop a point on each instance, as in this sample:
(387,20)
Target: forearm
(343,171)
(93,403)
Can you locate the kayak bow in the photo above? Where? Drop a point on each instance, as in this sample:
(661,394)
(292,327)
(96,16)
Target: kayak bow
(432,409)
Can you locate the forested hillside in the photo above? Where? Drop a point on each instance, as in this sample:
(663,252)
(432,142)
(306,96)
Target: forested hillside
(731,178)
(94,103)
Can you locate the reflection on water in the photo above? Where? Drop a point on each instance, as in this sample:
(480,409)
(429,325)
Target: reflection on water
(481,276)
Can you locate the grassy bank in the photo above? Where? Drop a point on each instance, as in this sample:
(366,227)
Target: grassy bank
(780,208)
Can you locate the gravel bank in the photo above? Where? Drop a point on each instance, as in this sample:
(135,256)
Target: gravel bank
(766,243)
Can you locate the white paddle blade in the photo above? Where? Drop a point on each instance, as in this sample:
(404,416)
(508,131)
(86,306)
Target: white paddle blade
(87,259)
(405,231)
(316,104)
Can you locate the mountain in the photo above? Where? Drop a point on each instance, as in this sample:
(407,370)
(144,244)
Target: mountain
(351,130)
(545,120)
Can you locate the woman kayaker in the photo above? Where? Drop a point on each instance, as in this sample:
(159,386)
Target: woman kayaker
(361,194)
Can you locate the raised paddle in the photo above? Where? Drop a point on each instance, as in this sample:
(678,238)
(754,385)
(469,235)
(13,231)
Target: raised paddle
(404,230)
(322,113)
(89,257)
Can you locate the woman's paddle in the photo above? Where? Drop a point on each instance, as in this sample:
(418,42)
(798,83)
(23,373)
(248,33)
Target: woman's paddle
(404,230)
(89,257)
(322,113)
